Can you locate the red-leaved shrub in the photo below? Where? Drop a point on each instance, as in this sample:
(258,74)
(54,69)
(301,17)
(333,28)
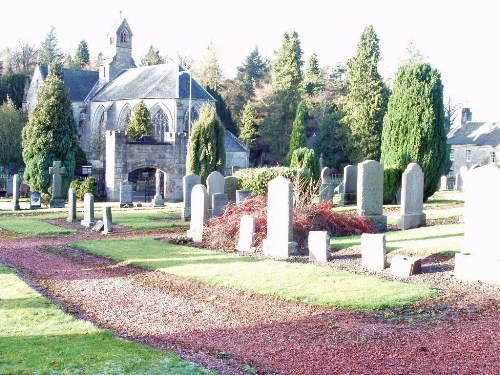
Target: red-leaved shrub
(221,233)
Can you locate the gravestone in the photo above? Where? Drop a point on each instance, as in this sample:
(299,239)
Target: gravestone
(443,183)
(464,175)
(199,212)
(9,187)
(404,266)
(98,226)
(326,189)
(458,182)
(125,194)
(247,234)
(215,184)
(370,197)
(188,182)
(373,251)
(235,169)
(318,243)
(158,199)
(231,184)
(412,198)
(242,194)
(71,205)
(480,254)
(56,171)
(88,210)
(219,202)
(35,200)
(16,182)
(339,189)
(107,219)
(279,241)
(350,185)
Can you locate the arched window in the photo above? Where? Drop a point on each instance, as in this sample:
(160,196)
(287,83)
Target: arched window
(124,118)
(160,123)
(194,117)
(124,36)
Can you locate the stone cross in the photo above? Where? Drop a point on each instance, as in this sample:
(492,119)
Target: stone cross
(56,171)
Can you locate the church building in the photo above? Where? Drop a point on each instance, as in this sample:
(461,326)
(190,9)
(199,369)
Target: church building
(103,103)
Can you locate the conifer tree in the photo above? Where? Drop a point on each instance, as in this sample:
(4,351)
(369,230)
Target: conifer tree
(153,57)
(313,81)
(298,137)
(11,125)
(82,55)
(49,51)
(209,72)
(366,101)
(206,150)
(414,125)
(50,134)
(332,142)
(287,67)
(140,124)
(248,124)
(224,113)
(305,158)
(253,70)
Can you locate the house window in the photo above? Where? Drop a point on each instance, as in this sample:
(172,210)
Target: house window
(452,154)
(493,158)
(467,156)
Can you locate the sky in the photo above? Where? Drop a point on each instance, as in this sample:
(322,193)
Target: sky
(461,39)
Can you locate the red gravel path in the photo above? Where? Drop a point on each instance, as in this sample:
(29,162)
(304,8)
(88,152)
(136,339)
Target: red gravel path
(199,321)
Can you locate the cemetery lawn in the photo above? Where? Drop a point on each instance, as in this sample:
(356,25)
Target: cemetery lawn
(308,283)
(33,225)
(145,220)
(36,337)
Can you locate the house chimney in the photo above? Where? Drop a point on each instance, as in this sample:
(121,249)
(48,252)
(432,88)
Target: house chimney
(466,115)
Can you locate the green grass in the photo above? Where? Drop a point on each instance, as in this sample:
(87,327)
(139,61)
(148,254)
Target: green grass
(33,225)
(146,220)
(294,281)
(36,337)
(444,239)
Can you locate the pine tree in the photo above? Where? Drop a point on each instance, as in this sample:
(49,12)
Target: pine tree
(140,124)
(82,55)
(50,134)
(298,137)
(49,51)
(153,57)
(248,121)
(366,101)
(332,142)
(206,150)
(209,72)
(249,75)
(313,81)
(287,67)
(224,113)
(414,125)
(11,125)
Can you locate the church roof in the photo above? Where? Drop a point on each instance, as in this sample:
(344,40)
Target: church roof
(162,81)
(476,133)
(79,82)
(233,144)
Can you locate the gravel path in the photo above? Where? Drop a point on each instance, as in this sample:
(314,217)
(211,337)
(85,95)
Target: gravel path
(223,329)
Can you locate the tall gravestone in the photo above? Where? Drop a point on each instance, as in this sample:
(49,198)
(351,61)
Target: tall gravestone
(370,193)
(412,198)
(326,189)
(463,178)
(188,182)
(458,182)
(279,240)
(247,234)
(158,199)
(480,255)
(71,205)
(350,185)
(125,194)
(88,210)
(215,184)
(56,171)
(199,212)
(107,219)
(16,183)
(231,184)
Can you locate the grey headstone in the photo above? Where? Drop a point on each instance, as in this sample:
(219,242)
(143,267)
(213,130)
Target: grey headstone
(158,199)
(443,183)
(98,226)
(480,255)
(326,192)
(231,184)
(339,189)
(88,210)
(327,175)
(125,194)
(242,194)
(459,183)
(56,171)
(405,266)
(16,183)
(107,218)
(348,196)
(71,205)
(247,234)
(318,243)
(9,187)
(370,197)
(35,200)
(215,184)
(464,177)
(219,202)
(279,241)
(412,198)
(373,251)
(199,212)
(188,182)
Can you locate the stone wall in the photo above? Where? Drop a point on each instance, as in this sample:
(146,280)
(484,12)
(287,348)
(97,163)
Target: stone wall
(235,159)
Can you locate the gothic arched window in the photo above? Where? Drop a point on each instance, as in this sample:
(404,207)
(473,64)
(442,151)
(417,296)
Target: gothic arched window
(160,124)
(124,118)
(124,36)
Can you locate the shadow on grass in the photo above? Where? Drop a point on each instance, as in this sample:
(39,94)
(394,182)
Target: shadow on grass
(166,263)
(23,303)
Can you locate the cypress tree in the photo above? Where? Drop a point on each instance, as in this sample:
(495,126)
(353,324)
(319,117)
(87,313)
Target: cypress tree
(248,121)
(11,125)
(140,123)
(298,137)
(224,113)
(414,125)
(306,158)
(50,134)
(366,101)
(206,150)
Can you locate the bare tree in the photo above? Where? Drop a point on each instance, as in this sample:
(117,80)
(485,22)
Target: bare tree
(450,113)
(185,61)
(24,58)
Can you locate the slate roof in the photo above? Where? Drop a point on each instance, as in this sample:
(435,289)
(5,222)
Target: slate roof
(78,82)
(476,133)
(233,144)
(152,82)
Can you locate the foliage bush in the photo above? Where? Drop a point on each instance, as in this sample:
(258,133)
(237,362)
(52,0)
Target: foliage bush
(222,232)
(305,158)
(83,187)
(256,179)
(392,180)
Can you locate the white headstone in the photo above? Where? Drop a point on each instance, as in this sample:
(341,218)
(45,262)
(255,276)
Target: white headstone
(412,198)
(215,184)
(404,266)
(318,243)
(199,212)
(373,251)
(279,241)
(16,183)
(444,183)
(158,199)
(188,182)
(463,174)
(71,205)
(247,234)
(88,210)
(370,193)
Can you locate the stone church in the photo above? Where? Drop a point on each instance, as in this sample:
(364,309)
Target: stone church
(103,103)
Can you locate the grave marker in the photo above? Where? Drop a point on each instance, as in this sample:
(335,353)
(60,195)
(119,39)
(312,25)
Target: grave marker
(412,198)
(350,185)
(35,200)
(215,184)
(71,205)
(188,182)
(56,171)
(88,210)
(370,197)
(231,184)
(199,212)
(16,182)
(373,251)
(318,243)
(247,234)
